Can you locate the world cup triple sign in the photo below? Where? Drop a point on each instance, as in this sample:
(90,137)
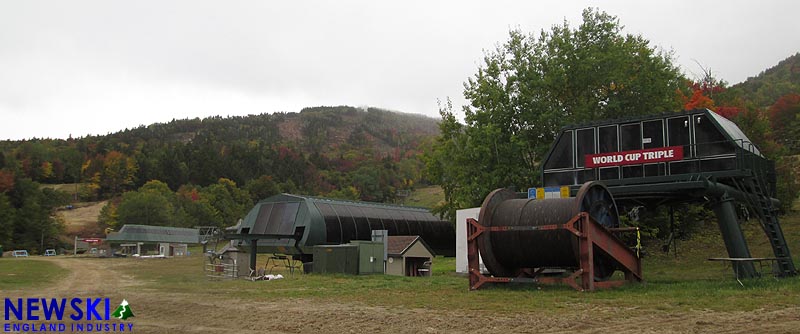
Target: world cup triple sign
(635,157)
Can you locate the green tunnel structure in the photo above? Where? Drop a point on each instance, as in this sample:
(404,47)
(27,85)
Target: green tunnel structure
(294,224)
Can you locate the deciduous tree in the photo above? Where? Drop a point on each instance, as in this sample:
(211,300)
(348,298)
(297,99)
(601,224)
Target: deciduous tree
(145,208)
(119,171)
(530,87)
(785,119)
(226,198)
(262,188)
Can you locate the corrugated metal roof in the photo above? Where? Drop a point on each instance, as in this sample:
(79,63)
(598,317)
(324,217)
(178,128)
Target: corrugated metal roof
(146,233)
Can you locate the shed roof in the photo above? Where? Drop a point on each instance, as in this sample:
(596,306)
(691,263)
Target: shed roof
(399,244)
(146,233)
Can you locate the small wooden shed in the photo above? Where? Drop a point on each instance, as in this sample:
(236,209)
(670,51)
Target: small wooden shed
(408,256)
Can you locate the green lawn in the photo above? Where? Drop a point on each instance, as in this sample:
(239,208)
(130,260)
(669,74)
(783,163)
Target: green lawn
(683,283)
(669,286)
(686,282)
(17,273)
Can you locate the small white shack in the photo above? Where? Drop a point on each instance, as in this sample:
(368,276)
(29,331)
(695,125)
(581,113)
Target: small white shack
(408,256)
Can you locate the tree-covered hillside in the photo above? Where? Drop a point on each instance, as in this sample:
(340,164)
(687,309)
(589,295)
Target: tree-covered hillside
(318,150)
(767,87)
(210,171)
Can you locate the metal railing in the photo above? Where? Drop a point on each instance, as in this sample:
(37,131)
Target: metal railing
(220,270)
(762,168)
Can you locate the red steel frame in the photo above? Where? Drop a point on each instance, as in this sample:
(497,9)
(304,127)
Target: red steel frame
(590,234)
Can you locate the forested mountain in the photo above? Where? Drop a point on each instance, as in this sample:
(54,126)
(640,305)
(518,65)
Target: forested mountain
(317,151)
(209,171)
(767,87)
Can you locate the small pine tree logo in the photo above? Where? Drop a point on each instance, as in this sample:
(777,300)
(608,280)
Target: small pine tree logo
(123,311)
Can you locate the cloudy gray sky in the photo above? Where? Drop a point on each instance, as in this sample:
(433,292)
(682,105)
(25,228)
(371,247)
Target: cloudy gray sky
(94,67)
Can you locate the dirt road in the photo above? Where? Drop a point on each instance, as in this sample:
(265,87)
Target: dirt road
(158,312)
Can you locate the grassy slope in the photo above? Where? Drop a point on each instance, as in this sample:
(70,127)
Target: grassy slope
(17,273)
(688,282)
(425,197)
(448,291)
(83,217)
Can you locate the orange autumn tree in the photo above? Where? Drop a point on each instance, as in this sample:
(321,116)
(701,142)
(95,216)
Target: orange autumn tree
(6,180)
(700,95)
(753,121)
(698,99)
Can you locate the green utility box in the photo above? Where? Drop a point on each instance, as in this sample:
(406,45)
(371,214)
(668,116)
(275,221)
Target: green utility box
(342,259)
(370,257)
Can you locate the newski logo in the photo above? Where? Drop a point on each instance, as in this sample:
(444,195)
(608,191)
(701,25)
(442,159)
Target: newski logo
(123,311)
(34,309)
(89,314)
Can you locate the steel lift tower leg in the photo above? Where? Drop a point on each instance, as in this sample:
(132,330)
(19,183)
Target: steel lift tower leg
(733,236)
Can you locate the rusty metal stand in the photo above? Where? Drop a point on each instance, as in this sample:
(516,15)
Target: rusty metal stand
(590,235)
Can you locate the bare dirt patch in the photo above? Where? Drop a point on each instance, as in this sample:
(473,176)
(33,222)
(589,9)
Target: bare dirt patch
(83,217)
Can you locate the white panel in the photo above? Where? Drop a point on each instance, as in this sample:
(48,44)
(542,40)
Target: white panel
(461,238)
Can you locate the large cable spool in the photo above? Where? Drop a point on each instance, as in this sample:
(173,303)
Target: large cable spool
(505,253)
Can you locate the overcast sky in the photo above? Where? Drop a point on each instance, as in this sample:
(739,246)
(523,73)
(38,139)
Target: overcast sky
(94,67)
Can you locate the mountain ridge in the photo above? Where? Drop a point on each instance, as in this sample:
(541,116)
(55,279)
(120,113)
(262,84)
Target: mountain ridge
(315,151)
(772,83)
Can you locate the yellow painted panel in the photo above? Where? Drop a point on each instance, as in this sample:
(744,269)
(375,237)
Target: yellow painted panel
(564,192)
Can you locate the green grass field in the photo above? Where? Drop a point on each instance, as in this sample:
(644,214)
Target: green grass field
(686,289)
(17,273)
(686,282)
(449,291)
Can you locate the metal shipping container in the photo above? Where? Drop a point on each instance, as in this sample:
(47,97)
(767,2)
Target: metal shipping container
(370,257)
(341,259)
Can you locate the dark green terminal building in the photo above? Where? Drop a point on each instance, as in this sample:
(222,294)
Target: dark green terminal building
(294,224)
(693,156)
